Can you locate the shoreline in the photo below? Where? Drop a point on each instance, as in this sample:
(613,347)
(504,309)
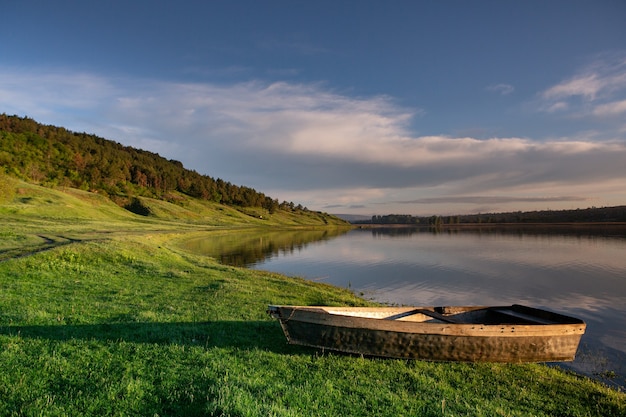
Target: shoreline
(450,225)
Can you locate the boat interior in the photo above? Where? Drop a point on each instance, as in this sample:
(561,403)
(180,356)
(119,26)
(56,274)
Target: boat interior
(513,314)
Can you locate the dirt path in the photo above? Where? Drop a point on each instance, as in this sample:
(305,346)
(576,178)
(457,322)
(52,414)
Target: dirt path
(49,242)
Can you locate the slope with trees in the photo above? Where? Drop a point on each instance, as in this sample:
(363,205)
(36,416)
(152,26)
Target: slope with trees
(54,156)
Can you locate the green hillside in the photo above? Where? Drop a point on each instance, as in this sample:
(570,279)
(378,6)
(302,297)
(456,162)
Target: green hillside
(22,200)
(90,168)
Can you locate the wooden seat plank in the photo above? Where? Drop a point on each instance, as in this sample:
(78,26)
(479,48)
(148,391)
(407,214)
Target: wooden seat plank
(429,313)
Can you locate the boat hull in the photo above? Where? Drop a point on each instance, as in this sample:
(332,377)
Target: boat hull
(433,339)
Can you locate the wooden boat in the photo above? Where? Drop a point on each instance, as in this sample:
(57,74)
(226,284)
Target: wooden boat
(513,334)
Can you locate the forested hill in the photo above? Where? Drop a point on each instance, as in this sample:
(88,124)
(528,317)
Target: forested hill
(54,156)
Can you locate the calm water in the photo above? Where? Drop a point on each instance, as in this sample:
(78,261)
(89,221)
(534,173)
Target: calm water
(576,271)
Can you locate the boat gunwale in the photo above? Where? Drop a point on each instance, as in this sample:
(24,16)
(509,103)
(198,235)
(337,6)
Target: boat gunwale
(329,316)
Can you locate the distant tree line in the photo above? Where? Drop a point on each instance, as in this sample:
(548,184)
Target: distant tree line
(54,156)
(592,214)
(394,219)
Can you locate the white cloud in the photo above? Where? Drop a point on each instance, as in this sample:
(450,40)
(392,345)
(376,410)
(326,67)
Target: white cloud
(497,199)
(610,109)
(503,89)
(307,143)
(587,85)
(597,90)
(556,107)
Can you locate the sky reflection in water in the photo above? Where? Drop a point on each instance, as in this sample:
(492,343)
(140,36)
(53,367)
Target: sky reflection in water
(583,275)
(571,271)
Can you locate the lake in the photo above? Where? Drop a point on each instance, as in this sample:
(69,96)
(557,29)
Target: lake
(575,270)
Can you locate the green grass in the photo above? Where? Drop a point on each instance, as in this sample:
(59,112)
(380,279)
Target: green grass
(102,313)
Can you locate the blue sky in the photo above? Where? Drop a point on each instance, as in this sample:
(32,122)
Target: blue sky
(362,107)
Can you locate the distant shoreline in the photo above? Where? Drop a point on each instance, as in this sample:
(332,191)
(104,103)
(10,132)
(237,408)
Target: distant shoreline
(484,225)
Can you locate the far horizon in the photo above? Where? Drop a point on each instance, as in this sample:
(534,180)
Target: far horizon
(356,217)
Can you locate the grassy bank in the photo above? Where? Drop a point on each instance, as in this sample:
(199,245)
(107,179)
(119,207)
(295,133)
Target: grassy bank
(102,313)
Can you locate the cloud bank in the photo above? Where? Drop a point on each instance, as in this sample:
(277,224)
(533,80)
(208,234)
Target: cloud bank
(308,143)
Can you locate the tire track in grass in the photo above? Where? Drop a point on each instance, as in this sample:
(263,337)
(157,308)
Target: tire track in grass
(48,244)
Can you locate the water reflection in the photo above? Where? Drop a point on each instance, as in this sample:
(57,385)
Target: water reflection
(575,270)
(249,247)
(600,230)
